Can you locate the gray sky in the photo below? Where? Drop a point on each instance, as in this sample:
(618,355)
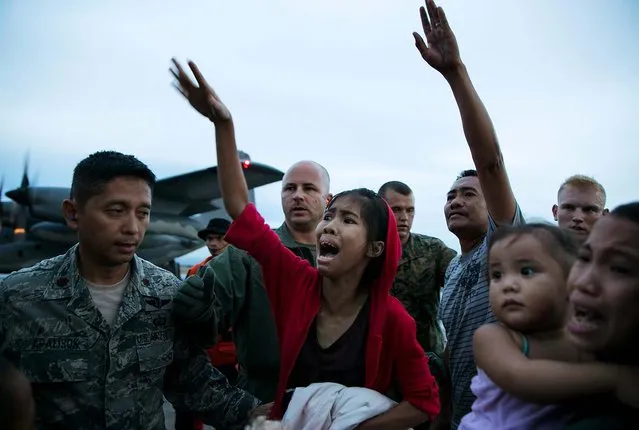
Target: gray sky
(339,82)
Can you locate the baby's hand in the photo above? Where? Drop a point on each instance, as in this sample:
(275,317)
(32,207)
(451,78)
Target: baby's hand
(628,386)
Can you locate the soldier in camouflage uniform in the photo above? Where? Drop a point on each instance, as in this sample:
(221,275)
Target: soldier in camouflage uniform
(94,330)
(241,302)
(420,275)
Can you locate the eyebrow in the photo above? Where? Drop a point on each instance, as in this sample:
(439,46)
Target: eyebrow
(125,203)
(530,261)
(588,206)
(462,189)
(347,212)
(621,252)
(526,261)
(304,184)
(333,209)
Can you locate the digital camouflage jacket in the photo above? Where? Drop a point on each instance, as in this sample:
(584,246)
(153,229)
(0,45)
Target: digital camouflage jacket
(88,375)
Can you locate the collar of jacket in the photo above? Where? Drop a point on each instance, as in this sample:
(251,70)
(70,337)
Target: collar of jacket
(67,284)
(287,238)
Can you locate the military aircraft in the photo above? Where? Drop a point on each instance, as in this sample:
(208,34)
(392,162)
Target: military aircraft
(33,227)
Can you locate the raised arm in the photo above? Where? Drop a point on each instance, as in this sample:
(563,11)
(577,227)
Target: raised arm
(442,54)
(248,231)
(229,171)
(536,380)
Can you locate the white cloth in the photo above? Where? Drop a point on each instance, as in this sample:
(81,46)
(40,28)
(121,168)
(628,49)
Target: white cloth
(330,406)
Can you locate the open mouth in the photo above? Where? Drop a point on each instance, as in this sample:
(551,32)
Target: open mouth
(585,320)
(327,251)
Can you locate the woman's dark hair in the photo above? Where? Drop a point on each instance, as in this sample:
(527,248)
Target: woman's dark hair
(374,212)
(559,243)
(629,211)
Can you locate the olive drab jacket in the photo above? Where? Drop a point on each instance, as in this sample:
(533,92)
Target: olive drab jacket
(241,304)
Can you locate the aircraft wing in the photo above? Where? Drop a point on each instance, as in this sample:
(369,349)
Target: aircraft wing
(193,192)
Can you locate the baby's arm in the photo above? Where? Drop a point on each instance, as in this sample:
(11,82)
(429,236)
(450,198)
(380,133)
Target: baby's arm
(538,381)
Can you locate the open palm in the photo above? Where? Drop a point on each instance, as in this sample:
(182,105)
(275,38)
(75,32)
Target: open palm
(202,97)
(442,52)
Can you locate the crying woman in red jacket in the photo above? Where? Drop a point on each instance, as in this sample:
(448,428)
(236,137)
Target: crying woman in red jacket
(337,322)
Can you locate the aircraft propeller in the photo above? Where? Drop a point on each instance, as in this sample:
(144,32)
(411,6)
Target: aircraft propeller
(1,203)
(21,195)
(20,209)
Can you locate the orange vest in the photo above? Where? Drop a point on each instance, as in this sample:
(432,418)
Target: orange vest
(193,270)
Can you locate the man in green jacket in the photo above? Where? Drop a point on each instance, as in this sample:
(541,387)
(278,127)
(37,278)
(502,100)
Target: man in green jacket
(240,302)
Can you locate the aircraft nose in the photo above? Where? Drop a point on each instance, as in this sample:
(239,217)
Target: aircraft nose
(19,195)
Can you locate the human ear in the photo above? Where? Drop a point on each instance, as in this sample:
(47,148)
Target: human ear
(555,208)
(329,197)
(375,249)
(70,212)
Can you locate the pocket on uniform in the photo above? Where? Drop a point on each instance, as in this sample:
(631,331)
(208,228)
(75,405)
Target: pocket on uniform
(56,366)
(155,350)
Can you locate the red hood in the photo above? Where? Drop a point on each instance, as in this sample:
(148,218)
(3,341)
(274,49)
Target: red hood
(392,256)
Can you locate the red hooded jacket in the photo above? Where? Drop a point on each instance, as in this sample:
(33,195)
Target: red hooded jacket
(294,290)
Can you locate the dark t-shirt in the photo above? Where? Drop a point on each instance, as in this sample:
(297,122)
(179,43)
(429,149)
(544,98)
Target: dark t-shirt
(343,362)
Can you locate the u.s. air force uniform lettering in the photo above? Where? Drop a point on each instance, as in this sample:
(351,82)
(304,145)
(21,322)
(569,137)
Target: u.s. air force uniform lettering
(87,374)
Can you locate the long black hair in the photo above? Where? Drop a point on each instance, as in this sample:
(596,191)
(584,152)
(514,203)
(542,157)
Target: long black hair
(374,212)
